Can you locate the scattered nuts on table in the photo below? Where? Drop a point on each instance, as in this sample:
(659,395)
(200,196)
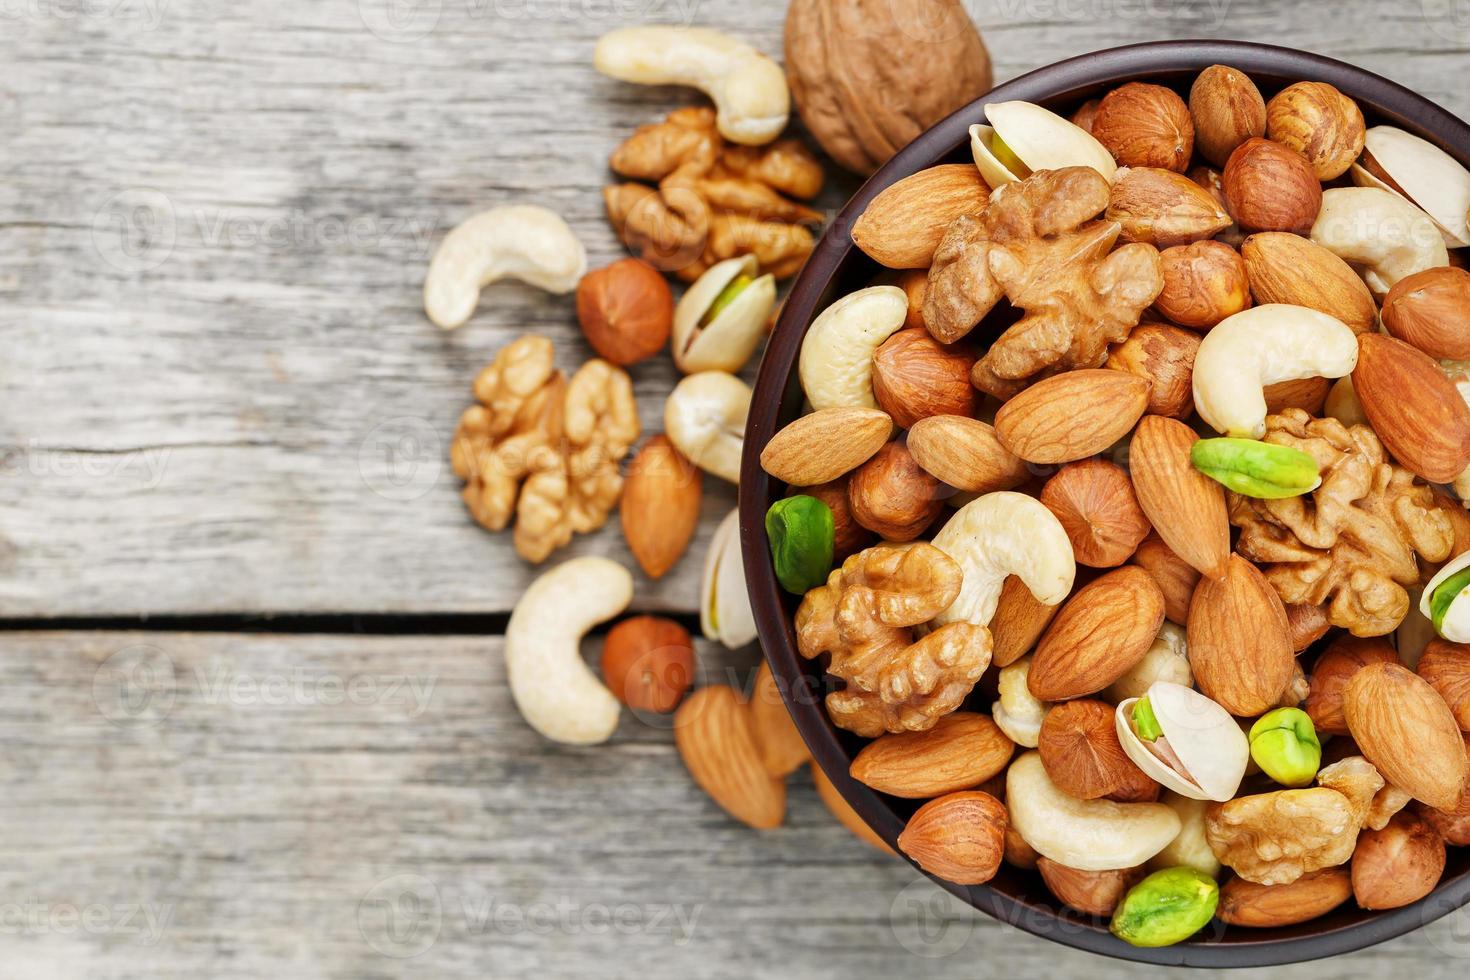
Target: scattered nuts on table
(721,319)
(660,506)
(704,418)
(648,663)
(626,311)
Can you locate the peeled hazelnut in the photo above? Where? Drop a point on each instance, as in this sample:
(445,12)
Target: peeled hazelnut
(1145,126)
(892,497)
(1271,187)
(1307,394)
(1330,676)
(1174,576)
(1399,864)
(1446,666)
(849,536)
(1165,356)
(626,311)
(1089,892)
(1080,749)
(648,663)
(1320,123)
(1095,503)
(1204,282)
(1227,109)
(1086,115)
(915,376)
(1431,310)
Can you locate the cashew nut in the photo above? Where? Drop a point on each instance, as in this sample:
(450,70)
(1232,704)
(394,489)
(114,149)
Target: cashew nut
(1166,660)
(1384,236)
(705,420)
(1342,403)
(1262,346)
(550,682)
(749,90)
(836,363)
(1191,848)
(1019,713)
(1005,533)
(521,241)
(722,318)
(1089,835)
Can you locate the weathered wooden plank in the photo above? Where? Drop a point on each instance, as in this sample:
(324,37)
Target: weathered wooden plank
(186,805)
(218,391)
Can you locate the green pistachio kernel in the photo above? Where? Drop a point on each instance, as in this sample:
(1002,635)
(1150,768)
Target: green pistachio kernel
(1145,723)
(1256,469)
(726,297)
(801,530)
(1448,591)
(1006,156)
(1284,744)
(1166,908)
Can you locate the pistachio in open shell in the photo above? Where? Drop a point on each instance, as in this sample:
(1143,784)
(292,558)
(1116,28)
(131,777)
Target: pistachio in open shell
(1446,600)
(1184,741)
(724,608)
(1023,138)
(1418,170)
(722,318)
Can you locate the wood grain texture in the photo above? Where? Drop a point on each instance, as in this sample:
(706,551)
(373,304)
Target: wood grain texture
(159,826)
(218,391)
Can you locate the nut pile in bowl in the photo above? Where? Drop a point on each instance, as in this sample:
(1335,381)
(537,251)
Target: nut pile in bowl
(1127,515)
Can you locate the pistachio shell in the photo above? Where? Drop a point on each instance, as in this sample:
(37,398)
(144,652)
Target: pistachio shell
(1429,177)
(1211,748)
(1039,138)
(724,609)
(1455,626)
(726,343)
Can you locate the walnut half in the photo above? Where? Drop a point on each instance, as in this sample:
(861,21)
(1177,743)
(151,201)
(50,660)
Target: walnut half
(1275,838)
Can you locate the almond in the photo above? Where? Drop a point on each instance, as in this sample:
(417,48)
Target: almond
(1163,208)
(1431,310)
(1071,416)
(1089,892)
(1290,269)
(1080,749)
(903,225)
(959,837)
(1405,729)
(1239,641)
(1413,407)
(714,733)
(1101,631)
(1446,666)
(1398,865)
(1307,623)
(1173,575)
(1245,903)
(1333,671)
(844,812)
(966,454)
(1094,501)
(660,505)
(781,746)
(826,444)
(1186,507)
(961,751)
(1020,619)
(1452,823)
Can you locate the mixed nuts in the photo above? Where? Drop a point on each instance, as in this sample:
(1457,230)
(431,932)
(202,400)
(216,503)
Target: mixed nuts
(1130,441)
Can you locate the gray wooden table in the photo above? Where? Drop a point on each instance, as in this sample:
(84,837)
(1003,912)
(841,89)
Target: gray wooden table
(223,433)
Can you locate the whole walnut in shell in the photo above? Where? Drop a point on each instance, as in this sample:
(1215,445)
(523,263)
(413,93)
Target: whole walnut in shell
(868,76)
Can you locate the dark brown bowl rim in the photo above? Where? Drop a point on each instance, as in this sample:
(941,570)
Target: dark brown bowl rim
(775,401)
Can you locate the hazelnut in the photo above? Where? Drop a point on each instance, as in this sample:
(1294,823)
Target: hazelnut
(1320,123)
(1332,673)
(1145,126)
(1431,310)
(915,285)
(892,497)
(1163,355)
(1174,576)
(626,311)
(1307,623)
(1086,115)
(1095,503)
(1227,109)
(1089,892)
(1138,787)
(1446,666)
(1307,394)
(915,376)
(1020,854)
(648,663)
(1080,749)
(1399,864)
(959,837)
(1204,282)
(849,536)
(1272,187)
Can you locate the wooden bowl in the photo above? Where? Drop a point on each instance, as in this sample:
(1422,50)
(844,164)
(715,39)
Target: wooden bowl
(836,268)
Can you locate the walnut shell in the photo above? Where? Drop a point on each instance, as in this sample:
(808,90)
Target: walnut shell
(867,78)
